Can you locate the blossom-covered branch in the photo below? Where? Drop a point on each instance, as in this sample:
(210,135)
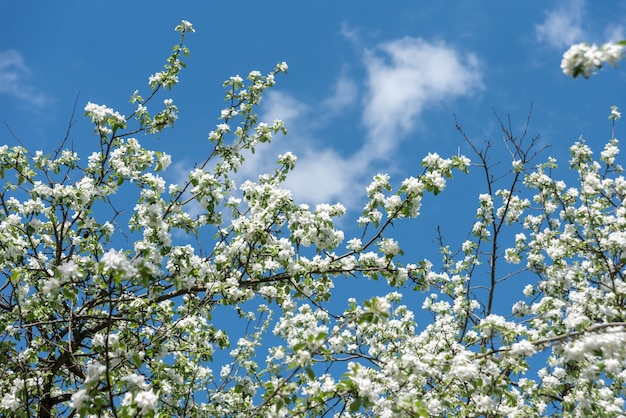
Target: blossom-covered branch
(584,59)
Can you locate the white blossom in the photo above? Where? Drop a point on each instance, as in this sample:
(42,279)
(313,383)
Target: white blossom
(583,59)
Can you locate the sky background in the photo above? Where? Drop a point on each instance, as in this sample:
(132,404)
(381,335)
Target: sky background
(372,87)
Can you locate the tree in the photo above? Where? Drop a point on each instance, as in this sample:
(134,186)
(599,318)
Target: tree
(108,315)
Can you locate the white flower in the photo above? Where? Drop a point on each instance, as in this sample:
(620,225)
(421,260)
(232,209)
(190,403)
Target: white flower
(223,128)
(364,385)
(612,53)
(288,159)
(95,369)
(157,78)
(100,113)
(611,150)
(69,270)
(22,291)
(146,401)
(529,290)
(164,160)
(50,285)
(113,260)
(389,247)
(512,256)
(431,160)
(78,399)
(10,401)
(523,348)
(135,380)
(187,26)
(463,369)
(354,244)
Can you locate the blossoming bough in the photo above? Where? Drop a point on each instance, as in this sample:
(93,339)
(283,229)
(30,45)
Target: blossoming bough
(91,327)
(583,59)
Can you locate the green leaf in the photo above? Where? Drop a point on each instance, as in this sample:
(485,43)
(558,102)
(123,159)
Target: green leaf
(68,293)
(356,405)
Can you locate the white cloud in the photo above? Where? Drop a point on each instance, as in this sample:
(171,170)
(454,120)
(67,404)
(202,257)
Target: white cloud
(403,77)
(322,175)
(345,94)
(13,75)
(563,25)
(351,34)
(279,105)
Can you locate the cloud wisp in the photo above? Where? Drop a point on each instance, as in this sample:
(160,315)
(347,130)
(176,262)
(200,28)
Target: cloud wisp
(13,75)
(345,94)
(563,25)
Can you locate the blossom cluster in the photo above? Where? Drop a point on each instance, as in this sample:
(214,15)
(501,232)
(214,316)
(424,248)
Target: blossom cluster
(584,59)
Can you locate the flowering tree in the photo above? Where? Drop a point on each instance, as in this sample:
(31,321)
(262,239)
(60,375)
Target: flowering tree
(104,315)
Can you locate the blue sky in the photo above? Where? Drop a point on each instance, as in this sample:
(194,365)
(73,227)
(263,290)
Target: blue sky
(372,87)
